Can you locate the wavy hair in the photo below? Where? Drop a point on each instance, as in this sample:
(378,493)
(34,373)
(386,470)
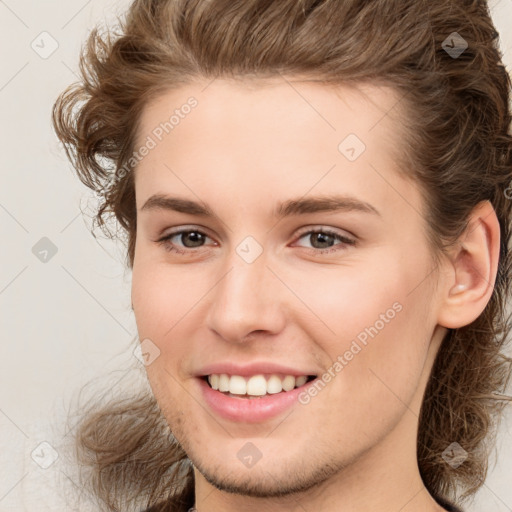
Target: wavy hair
(457,147)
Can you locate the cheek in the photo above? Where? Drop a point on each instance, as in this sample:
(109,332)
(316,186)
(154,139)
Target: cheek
(160,297)
(350,300)
(379,326)
(167,307)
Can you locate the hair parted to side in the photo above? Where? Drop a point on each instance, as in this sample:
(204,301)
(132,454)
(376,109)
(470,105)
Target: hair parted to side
(457,147)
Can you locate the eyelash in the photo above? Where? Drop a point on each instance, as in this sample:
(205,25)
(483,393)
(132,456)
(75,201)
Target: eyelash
(168,246)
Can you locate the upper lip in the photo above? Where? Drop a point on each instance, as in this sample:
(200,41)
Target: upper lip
(249,369)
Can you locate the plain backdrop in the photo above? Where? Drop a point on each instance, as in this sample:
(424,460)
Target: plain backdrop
(64,295)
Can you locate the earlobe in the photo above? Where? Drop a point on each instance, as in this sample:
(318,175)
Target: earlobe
(470,269)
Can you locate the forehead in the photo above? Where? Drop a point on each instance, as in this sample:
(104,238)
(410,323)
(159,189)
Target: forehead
(265,137)
(255,111)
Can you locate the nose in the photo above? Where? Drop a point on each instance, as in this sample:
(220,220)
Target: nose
(248,299)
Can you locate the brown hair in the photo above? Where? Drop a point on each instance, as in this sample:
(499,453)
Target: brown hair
(456,146)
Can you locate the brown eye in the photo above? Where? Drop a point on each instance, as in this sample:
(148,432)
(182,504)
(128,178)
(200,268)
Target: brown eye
(188,238)
(194,237)
(322,240)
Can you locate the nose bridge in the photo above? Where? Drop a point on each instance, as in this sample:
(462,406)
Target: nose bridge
(247,298)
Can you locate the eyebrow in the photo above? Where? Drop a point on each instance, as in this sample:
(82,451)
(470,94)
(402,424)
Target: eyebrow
(288,208)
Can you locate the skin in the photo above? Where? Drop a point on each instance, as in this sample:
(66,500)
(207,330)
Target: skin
(246,147)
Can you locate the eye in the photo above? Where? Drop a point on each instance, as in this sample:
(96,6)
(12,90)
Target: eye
(322,239)
(191,239)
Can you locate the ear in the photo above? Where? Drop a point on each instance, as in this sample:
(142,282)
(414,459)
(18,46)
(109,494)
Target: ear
(470,269)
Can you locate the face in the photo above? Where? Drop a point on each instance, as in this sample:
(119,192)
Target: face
(346,294)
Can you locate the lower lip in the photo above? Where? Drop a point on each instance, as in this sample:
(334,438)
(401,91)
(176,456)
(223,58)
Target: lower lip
(250,410)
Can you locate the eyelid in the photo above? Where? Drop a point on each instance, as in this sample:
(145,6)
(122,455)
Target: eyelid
(184,229)
(328,230)
(343,240)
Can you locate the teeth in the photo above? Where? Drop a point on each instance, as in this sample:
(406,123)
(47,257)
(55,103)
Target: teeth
(214,381)
(288,382)
(237,385)
(257,385)
(274,384)
(223,382)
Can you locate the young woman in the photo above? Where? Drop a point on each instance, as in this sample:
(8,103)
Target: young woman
(316,201)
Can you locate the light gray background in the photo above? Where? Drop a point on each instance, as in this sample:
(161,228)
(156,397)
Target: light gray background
(68,320)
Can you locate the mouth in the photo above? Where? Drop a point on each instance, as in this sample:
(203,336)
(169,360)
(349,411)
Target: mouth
(253,398)
(256,386)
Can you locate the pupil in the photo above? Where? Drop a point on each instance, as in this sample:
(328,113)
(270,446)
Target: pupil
(192,235)
(323,237)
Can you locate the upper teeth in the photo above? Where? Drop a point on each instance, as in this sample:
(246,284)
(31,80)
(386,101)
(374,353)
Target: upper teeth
(256,385)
